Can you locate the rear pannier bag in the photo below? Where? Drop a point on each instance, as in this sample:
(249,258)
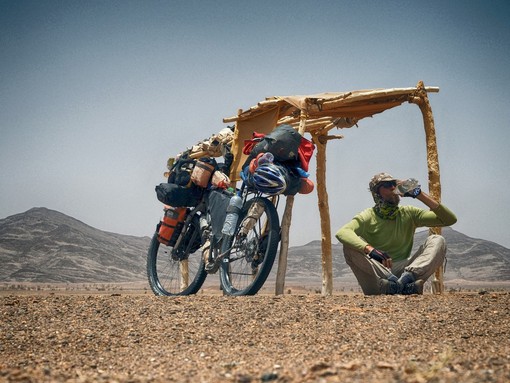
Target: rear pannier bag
(171,225)
(202,172)
(175,195)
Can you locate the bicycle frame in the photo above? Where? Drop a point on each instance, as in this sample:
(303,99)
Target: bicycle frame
(200,249)
(201,207)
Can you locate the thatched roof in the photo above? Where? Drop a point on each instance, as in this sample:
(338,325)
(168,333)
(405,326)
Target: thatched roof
(331,110)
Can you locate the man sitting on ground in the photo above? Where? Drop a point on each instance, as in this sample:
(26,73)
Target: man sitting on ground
(378,241)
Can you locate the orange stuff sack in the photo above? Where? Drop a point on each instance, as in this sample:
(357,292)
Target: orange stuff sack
(171,225)
(307,186)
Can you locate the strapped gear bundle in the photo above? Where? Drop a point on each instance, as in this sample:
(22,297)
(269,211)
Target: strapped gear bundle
(277,162)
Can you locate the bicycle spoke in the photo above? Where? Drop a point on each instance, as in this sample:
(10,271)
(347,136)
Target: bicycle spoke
(252,254)
(176,271)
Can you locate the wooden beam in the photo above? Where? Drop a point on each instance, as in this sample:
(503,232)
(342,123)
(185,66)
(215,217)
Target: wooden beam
(311,124)
(284,246)
(271,101)
(324,139)
(302,122)
(433,168)
(380,94)
(322,194)
(184,268)
(285,229)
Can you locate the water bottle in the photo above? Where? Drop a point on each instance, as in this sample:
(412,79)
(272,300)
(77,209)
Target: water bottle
(233,210)
(405,186)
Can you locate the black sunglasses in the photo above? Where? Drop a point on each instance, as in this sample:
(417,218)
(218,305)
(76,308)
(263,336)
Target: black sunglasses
(388,184)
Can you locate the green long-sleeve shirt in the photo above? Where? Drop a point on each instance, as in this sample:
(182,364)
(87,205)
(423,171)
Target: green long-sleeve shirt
(392,236)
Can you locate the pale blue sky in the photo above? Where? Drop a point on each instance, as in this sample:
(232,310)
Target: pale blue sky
(96,95)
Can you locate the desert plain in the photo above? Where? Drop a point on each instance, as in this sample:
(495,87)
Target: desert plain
(296,337)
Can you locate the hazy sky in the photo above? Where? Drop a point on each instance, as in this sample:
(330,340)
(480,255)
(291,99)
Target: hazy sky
(96,95)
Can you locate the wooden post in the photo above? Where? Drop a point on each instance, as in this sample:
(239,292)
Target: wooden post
(433,168)
(284,246)
(285,229)
(322,194)
(183,266)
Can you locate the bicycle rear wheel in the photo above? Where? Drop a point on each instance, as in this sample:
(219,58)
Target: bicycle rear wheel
(178,272)
(252,250)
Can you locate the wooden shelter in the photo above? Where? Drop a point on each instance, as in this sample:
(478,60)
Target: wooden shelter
(317,115)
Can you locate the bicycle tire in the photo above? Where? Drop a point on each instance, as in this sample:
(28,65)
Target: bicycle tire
(164,272)
(238,274)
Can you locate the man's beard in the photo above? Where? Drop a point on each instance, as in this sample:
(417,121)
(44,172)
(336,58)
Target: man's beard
(393,200)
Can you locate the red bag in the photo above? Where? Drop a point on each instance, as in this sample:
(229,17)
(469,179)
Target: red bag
(171,225)
(305,152)
(249,144)
(305,149)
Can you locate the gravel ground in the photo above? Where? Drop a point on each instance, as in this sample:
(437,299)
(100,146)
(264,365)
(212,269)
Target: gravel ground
(455,337)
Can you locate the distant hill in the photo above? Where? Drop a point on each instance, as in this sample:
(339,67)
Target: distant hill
(45,246)
(473,259)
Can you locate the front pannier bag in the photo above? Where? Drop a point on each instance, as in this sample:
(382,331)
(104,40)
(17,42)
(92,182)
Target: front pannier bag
(171,225)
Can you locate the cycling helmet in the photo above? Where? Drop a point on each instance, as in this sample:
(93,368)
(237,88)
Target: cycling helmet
(270,179)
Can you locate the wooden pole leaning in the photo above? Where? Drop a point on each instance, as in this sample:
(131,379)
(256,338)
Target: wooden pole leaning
(184,268)
(433,168)
(323,202)
(285,228)
(284,246)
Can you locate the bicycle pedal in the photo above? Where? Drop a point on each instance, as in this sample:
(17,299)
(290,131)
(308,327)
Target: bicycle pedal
(212,267)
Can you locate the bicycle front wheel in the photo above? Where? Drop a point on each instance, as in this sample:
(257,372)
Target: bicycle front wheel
(177,271)
(252,250)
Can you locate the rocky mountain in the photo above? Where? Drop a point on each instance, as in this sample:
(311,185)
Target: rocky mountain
(473,259)
(46,246)
(43,245)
